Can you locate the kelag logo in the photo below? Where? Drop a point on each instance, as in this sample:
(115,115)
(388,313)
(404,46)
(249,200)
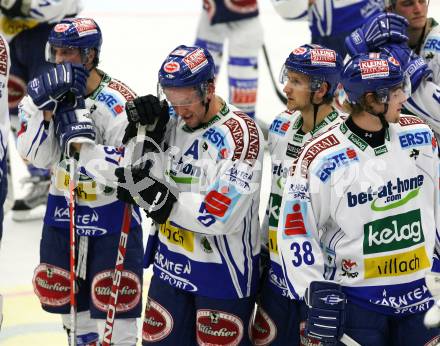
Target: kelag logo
(394,232)
(389,196)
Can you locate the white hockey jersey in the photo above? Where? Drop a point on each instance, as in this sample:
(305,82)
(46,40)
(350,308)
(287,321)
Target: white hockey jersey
(210,243)
(285,142)
(425,100)
(50,11)
(98,211)
(363,217)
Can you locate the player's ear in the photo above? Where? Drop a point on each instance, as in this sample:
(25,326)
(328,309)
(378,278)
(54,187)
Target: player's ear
(90,58)
(210,89)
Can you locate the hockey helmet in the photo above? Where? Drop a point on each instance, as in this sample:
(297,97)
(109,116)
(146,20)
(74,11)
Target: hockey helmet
(378,73)
(187,66)
(82,33)
(319,63)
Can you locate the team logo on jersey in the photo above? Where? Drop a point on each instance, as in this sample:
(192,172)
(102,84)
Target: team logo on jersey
(158,322)
(393,233)
(171,67)
(263,329)
(388,196)
(334,161)
(218,328)
(129,294)
(374,68)
(347,266)
(412,139)
(51,285)
(324,57)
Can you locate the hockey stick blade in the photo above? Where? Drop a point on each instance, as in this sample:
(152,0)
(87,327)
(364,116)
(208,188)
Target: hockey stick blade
(280,95)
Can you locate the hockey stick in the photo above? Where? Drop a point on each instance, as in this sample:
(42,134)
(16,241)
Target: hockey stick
(280,95)
(72,245)
(346,340)
(122,249)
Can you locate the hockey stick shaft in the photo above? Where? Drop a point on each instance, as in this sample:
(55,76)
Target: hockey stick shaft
(72,247)
(280,95)
(346,340)
(122,249)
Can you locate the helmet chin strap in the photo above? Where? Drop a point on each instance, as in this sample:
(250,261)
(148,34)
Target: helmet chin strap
(315,108)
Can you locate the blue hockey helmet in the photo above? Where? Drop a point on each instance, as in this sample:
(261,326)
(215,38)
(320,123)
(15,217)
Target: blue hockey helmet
(82,33)
(321,64)
(378,73)
(187,66)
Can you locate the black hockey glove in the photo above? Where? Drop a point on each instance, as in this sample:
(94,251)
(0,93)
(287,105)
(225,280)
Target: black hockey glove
(148,111)
(136,186)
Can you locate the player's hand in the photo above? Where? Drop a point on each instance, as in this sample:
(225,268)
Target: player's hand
(382,29)
(47,89)
(73,127)
(150,112)
(326,315)
(415,67)
(137,186)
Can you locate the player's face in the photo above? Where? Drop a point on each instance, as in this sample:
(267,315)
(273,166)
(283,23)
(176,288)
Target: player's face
(187,104)
(415,11)
(67,54)
(297,90)
(397,98)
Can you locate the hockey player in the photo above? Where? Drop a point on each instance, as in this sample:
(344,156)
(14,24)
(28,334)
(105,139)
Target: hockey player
(330,21)
(361,211)
(5,64)
(205,260)
(239,24)
(310,76)
(74,46)
(394,33)
(26,26)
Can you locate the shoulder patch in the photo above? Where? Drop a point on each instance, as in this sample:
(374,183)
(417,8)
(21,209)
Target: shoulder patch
(3,57)
(253,148)
(315,148)
(410,120)
(123,89)
(237,136)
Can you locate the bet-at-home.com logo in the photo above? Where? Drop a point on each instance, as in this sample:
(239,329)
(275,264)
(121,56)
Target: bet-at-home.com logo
(393,232)
(392,195)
